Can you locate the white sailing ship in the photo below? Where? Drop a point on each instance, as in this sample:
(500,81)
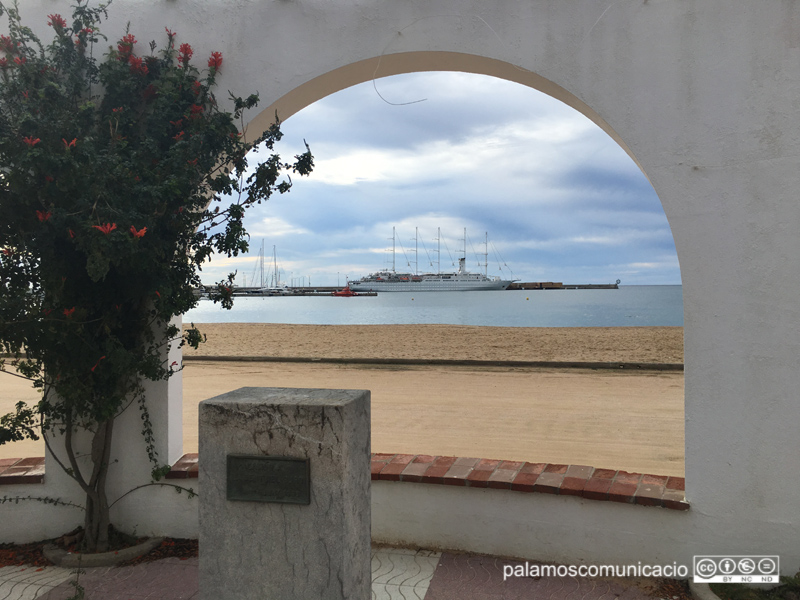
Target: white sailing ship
(460,281)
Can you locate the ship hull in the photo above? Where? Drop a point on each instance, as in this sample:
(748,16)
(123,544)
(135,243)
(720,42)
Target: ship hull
(431,285)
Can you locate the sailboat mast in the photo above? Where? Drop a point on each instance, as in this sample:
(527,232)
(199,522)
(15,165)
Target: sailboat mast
(393,234)
(275,265)
(261,262)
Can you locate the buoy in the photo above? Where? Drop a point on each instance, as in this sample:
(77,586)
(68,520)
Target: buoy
(527,298)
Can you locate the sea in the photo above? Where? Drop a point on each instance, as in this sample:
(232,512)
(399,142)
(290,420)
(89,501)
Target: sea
(628,306)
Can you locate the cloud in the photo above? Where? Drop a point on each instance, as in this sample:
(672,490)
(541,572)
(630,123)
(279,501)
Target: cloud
(275,227)
(558,197)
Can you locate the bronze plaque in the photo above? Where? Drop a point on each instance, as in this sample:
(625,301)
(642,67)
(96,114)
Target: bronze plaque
(279,479)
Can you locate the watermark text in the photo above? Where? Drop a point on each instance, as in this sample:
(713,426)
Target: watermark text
(527,569)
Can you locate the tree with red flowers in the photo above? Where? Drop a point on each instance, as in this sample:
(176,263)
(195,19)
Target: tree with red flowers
(116,179)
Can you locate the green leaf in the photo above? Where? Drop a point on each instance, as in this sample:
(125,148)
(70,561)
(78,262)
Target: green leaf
(97,266)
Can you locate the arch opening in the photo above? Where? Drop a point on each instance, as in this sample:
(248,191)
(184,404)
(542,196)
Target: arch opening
(362,269)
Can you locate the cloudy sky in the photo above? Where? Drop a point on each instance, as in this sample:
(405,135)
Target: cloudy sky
(559,199)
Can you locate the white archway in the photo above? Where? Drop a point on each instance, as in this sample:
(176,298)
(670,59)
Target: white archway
(704,99)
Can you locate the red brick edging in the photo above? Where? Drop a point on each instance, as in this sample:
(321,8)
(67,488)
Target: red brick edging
(21,470)
(565,480)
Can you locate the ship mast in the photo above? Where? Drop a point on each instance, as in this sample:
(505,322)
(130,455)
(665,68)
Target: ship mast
(438,250)
(416,250)
(486,256)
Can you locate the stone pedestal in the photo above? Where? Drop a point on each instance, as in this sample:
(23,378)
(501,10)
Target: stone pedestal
(277,550)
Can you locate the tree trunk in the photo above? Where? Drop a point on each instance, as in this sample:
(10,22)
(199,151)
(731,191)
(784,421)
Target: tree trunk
(97,513)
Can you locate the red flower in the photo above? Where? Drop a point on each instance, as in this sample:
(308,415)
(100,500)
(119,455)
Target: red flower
(107,228)
(87,30)
(47,311)
(97,363)
(71,234)
(137,65)
(177,123)
(20,60)
(31,141)
(192,162)
(125,46)
(196,109)
(43,216)
(149,92)
(68,145)
(56,21)
(196,87)
(178,137)
(3,63)
(157,294)
(215,62)
(170,33)
(116,110)
(6,44)
(25,94)
(69,311)
(49,178)
(140,233)
(185,53)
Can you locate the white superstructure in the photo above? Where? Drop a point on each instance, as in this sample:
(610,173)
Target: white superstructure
(461,281)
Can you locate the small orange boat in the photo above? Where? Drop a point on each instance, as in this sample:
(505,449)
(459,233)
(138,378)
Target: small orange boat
(345,292)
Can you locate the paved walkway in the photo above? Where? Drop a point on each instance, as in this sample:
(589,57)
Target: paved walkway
(397,574)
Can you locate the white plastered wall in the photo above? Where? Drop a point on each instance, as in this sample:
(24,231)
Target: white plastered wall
(703,94)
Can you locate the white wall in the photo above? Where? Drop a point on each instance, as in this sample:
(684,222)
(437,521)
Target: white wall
(703,94)
(560,529)
(32,520)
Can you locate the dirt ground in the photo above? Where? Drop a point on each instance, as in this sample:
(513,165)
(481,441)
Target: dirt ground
(622,420)
(630,421)
(604,419)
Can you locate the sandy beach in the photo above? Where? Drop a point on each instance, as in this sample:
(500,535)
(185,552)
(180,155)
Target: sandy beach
(450,342)
(622,420)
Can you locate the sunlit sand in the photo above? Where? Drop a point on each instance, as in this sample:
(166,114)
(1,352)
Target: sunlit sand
(622,420)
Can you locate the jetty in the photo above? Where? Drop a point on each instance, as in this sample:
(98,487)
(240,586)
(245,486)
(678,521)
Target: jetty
(329,290)
(557,285)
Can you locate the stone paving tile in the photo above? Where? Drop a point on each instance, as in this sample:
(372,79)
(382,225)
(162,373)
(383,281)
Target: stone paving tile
(396,574)
(27,583)
(402,574)
(168,579)
(467,577)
